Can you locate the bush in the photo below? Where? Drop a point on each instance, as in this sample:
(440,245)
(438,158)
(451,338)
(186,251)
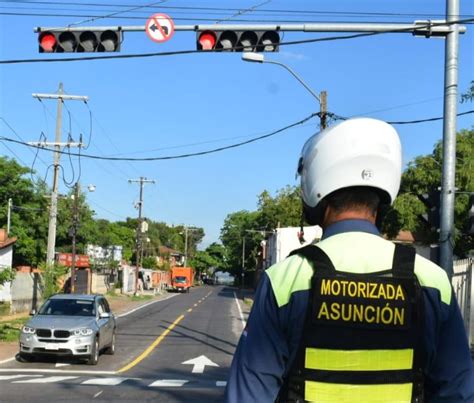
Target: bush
(51,274)
(7,274)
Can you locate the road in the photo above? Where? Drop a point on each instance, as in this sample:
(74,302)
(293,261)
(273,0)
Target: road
(175,350)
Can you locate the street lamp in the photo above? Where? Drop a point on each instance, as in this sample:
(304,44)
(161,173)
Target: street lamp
(322,98)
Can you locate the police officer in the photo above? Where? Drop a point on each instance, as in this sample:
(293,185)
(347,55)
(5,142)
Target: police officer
(355,318)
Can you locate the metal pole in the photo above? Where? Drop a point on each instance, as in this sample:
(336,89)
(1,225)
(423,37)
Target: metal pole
(75,221)
(294,75)
(323,109)
(53,210)
(9,212)
(142,182)
(446,238)
(185,246)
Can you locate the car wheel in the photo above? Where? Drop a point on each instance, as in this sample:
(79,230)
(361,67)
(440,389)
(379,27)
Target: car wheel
(94,357)
(111,349)
(26,357)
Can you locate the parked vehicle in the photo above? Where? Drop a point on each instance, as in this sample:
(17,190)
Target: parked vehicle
(182,278)
(74,325)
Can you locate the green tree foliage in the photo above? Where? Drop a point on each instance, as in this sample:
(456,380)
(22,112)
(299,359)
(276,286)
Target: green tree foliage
(283,210)
(422,175)
(51,275)
(468,96)
(29,218)
(7,274)
(149,262)
(202,261)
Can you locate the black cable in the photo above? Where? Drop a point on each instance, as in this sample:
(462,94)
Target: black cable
(235,48)
(329,114)
(98,157)
(226,9)
(42,137)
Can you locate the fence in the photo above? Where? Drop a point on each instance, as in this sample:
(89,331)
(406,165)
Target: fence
(464,290)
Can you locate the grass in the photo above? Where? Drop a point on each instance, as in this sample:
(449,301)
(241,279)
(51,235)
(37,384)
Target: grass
(248,301)
(10,330)
(140,297)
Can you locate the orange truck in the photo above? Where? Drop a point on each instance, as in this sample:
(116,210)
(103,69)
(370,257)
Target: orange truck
(182,278)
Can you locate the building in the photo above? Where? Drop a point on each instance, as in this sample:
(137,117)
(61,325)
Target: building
(6,259)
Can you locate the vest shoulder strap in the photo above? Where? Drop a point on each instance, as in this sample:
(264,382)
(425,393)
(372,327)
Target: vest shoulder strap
(403,264)
(316,256)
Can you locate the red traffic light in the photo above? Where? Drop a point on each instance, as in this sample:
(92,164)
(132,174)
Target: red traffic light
(47,41)
(207,40)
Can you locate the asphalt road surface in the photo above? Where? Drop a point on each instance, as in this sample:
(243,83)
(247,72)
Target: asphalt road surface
(174,350)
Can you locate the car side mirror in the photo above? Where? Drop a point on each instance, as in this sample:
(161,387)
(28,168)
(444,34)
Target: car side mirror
(33,312)
(104,315)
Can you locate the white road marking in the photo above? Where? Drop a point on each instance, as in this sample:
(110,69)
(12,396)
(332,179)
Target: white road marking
(61,364)
(105,381)
(168,383)
(49,379)
(199,363)
(144,306)
(244,323)
(59,371)
(7,360)
(7,377)
(97,394)
(221,384)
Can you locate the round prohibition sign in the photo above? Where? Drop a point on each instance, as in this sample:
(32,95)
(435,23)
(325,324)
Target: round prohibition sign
(159,27)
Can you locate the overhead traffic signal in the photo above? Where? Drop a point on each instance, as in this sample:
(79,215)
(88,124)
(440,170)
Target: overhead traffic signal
(67,41)
(432,201)
(238,41)
(470,227)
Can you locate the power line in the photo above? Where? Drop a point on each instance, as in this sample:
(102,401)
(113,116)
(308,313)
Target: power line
(227,9)
(215,150)
(171,157)
(236,48)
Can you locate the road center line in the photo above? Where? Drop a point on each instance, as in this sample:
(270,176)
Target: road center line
(147,352)
(244,323)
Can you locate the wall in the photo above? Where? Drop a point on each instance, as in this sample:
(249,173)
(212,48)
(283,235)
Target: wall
(26,292)
(99,283)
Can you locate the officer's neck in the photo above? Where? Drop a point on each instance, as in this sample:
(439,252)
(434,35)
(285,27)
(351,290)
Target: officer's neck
(331,216)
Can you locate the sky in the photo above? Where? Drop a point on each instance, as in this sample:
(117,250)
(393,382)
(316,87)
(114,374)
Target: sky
(169,105)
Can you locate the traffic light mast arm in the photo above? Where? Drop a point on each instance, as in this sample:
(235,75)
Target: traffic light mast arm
(424,27)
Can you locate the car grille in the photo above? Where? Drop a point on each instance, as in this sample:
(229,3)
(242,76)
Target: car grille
(43,332)
(61,333)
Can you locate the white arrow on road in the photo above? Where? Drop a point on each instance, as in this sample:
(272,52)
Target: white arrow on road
(199,364)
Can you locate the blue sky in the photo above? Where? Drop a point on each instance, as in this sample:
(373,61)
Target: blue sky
(165,105)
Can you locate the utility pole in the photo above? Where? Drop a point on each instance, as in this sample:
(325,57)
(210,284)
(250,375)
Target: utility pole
(446,233)
(53,210)
(186,229)
(9,215)
(323,108)
(75,222)
(142,182)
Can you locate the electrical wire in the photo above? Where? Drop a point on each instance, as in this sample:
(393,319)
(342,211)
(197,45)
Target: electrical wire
(212,151)
(235,48)
(227,9)
(245,11)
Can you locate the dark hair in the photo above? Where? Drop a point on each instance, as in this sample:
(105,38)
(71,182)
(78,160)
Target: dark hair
(355,197)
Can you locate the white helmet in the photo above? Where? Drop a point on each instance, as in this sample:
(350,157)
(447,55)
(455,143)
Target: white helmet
(356,152)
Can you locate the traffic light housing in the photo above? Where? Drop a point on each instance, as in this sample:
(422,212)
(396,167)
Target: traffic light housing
(432,201)
(77,41)
(238,41)
(470,227)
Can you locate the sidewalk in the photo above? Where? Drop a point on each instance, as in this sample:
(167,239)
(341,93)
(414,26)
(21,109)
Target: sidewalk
(118,304)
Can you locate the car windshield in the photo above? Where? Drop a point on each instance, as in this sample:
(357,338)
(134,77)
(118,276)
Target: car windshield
(180,279)
(68,307)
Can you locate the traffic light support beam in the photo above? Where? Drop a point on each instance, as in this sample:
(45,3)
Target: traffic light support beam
(424,28)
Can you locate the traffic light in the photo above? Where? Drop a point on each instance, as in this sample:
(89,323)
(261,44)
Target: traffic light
(432,201)
(238,41)
(79,41)
(470,227)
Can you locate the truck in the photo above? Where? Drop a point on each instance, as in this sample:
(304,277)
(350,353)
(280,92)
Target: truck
(285,240)
(182,278)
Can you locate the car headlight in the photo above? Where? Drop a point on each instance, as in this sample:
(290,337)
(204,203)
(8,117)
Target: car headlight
(28,330)
(82,332)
